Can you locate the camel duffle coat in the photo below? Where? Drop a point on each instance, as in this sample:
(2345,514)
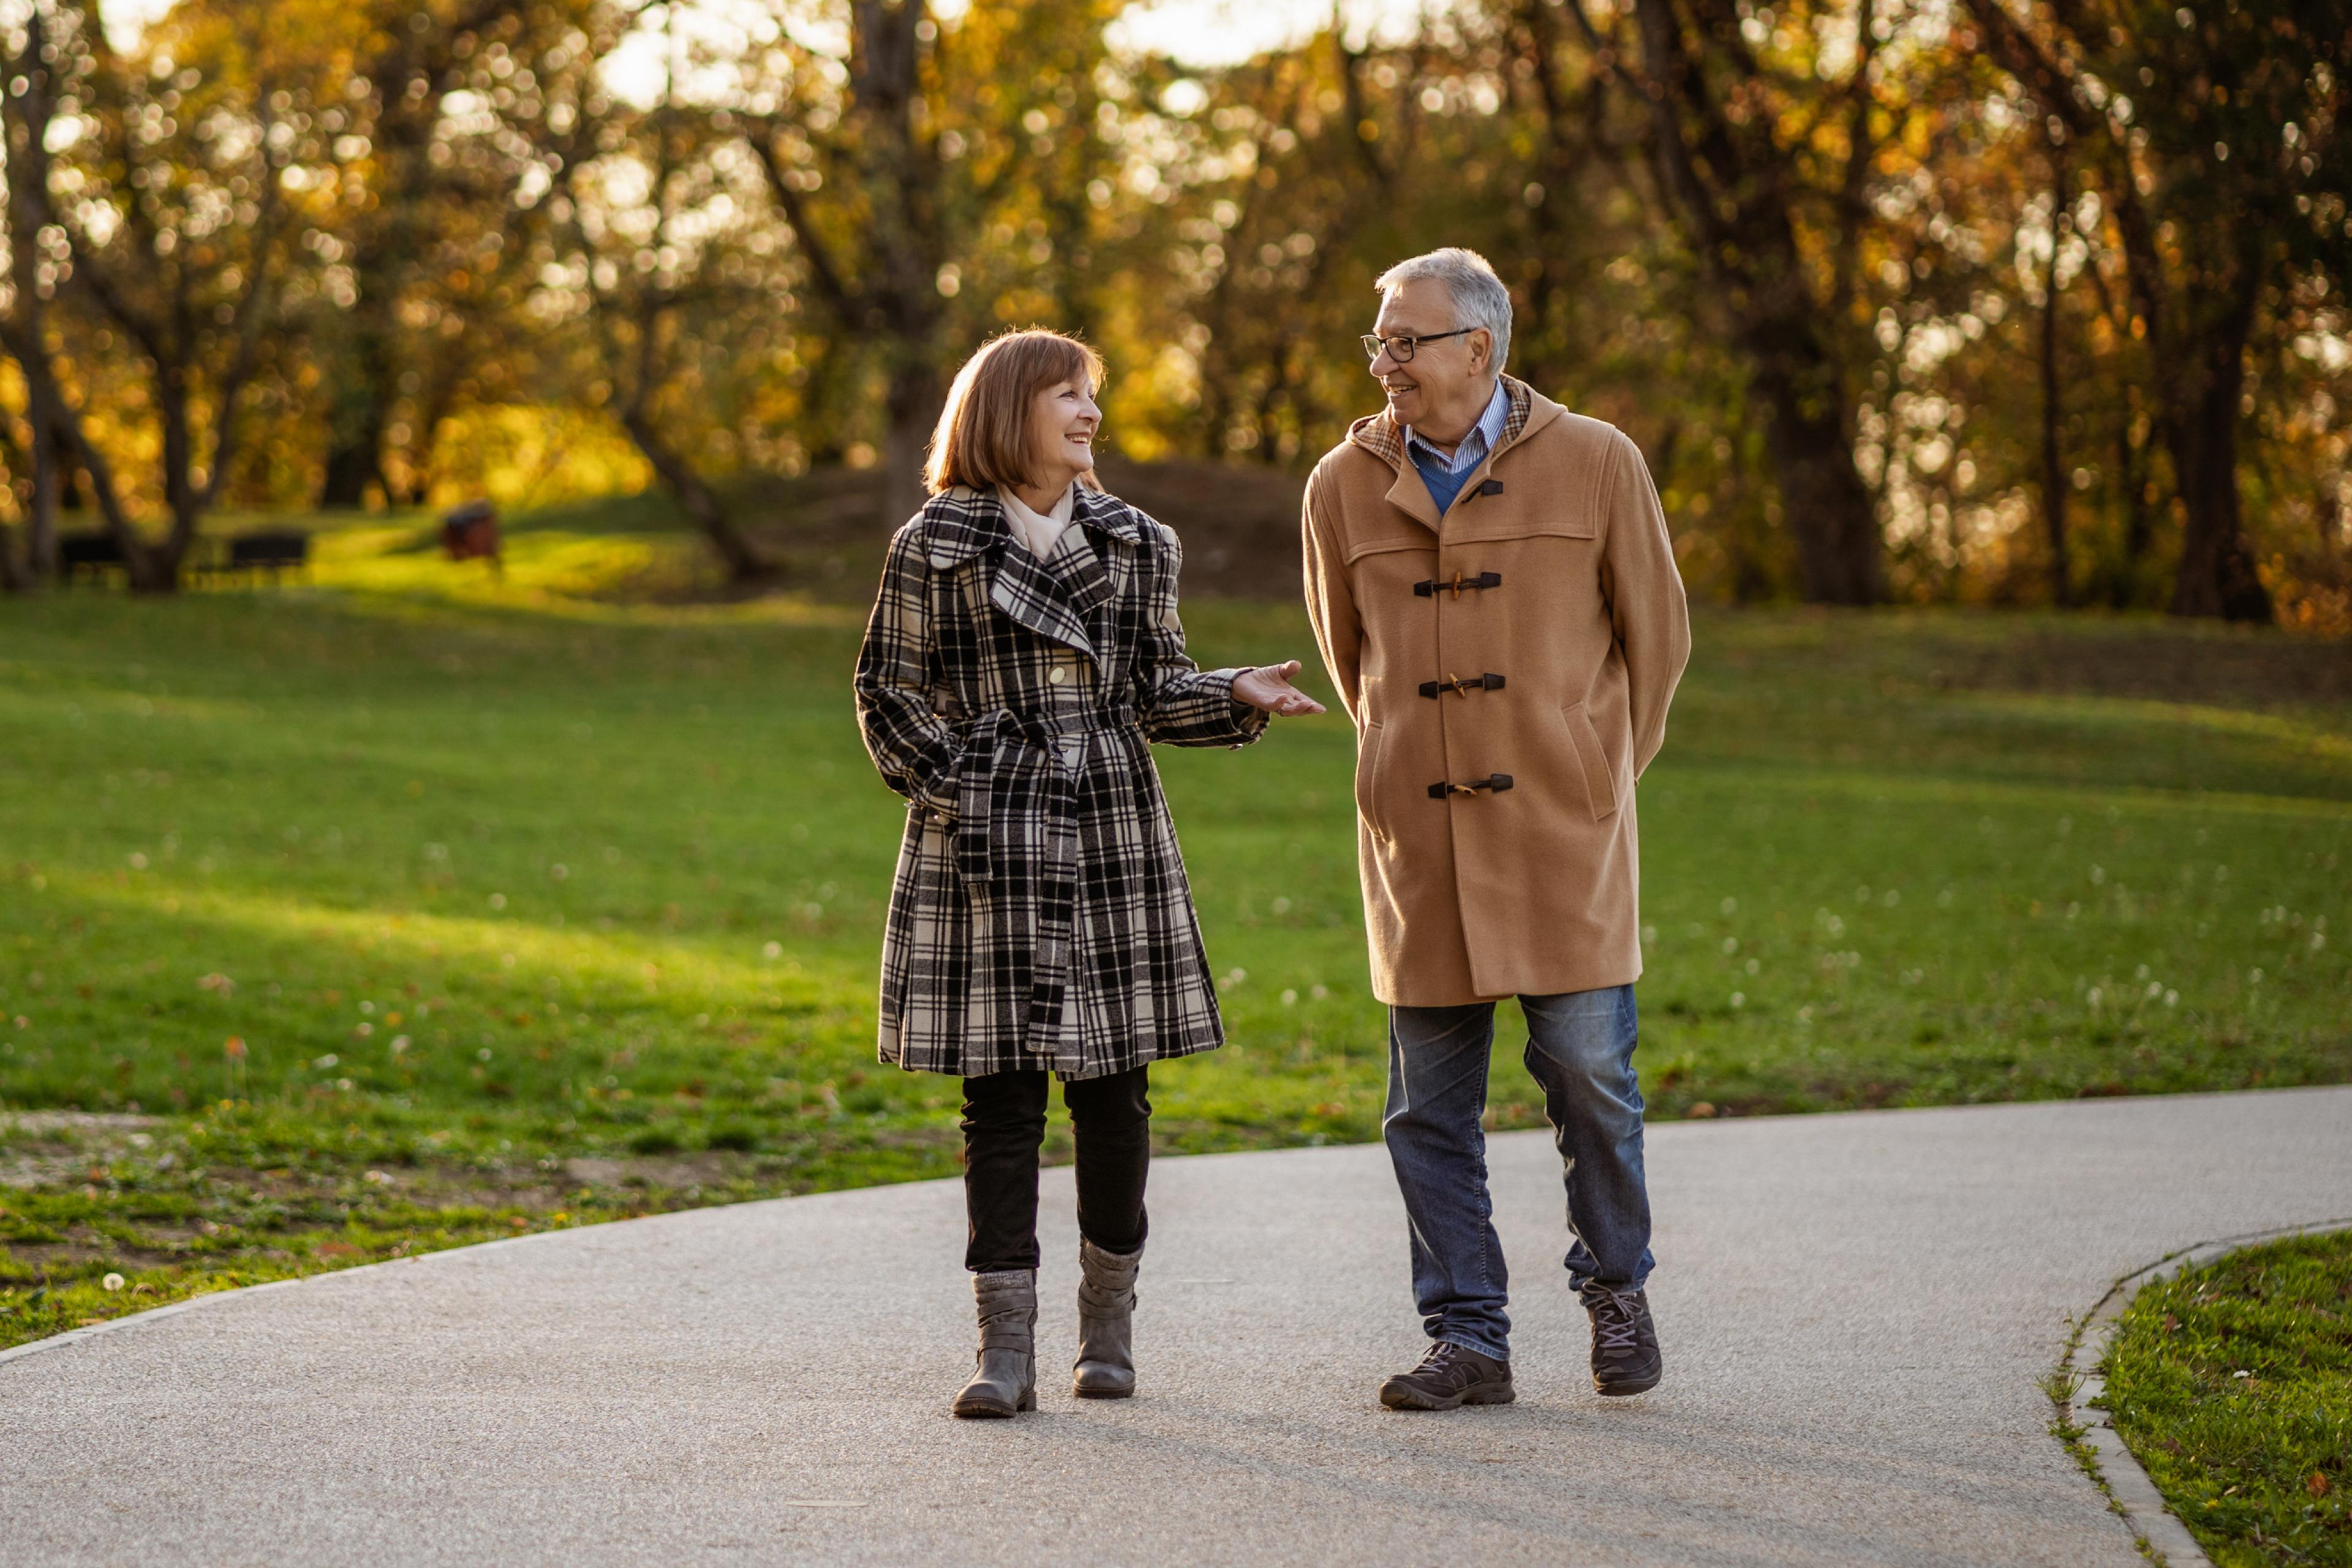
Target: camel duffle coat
(1040,916)
(1507,666)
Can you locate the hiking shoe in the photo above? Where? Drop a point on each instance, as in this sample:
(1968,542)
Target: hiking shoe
(1448,1376)
(1625,1340)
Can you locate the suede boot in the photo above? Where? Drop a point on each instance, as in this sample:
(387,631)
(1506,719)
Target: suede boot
(1106,1366)
(1004,1382)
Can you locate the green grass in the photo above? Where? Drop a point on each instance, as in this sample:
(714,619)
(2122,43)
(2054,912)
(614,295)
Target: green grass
(2232,1385)
(544,906)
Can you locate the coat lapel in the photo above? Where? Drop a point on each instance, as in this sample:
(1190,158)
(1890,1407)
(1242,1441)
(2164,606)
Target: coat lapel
(968,525)
(1029,594)
(1096,575)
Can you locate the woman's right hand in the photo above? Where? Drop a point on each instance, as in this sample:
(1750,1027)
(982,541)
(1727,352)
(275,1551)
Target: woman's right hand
(1268,689)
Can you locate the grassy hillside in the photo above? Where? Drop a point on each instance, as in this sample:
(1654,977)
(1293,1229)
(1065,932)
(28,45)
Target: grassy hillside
(406,907)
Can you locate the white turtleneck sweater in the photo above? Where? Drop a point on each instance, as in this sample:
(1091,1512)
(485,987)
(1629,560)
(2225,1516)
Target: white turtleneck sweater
(1038,531)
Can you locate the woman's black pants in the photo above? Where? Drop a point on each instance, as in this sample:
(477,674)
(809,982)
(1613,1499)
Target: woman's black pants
(1003,1127)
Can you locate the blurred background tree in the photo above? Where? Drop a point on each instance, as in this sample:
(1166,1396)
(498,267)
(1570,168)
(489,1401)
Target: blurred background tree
(2016,301)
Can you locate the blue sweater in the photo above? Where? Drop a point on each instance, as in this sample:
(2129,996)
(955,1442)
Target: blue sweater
(1439,473)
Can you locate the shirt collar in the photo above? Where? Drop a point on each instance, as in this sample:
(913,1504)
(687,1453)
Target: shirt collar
(1482,439)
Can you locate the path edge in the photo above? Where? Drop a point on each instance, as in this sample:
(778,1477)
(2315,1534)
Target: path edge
(239,1292)
(2111,1465)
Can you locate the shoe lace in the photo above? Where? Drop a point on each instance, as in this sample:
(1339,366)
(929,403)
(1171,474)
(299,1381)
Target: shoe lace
(1616,1320)
(1442,1356)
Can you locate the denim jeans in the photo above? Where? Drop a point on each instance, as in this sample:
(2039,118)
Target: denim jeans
(1580,1050)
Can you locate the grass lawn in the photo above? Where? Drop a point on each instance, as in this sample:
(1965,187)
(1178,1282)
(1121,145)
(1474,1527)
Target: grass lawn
(406,908)
(2233,1384)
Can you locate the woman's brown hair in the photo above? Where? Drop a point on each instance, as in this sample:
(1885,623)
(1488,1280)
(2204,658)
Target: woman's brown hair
(983,438)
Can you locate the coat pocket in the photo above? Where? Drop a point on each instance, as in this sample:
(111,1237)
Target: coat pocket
(1368,778)
(1599,781)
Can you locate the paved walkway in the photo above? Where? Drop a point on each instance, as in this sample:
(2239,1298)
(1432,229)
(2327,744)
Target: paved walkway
(1857,1313)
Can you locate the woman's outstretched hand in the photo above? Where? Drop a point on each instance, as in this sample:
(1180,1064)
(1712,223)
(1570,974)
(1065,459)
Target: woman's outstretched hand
(1268,688)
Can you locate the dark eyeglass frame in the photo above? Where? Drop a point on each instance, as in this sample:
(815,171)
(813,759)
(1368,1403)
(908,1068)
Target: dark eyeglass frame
(1373,343)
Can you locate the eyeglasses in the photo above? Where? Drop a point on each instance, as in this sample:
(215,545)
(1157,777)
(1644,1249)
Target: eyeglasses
(1402,347)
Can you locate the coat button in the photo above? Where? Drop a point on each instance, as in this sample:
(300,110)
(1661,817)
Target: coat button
(1058,675)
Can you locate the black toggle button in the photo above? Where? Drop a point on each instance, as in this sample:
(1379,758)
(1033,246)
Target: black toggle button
(1498,783)
(1457,585)
(1489,681)
(1491,488)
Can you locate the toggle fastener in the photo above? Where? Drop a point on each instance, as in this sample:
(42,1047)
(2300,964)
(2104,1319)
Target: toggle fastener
(1489,681)
(1498,783)
(1459,586)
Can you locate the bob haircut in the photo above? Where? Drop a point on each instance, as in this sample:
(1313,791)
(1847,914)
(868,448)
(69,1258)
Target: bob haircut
(983,438)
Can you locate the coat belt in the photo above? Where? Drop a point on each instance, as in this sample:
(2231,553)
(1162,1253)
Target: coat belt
(1017,787)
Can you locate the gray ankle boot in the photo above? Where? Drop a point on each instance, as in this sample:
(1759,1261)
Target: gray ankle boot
(1005,1381)
(1106,1368)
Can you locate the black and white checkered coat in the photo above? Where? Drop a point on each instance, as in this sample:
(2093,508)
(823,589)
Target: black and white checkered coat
(1040,917)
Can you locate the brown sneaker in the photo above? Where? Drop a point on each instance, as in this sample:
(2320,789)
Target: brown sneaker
(1448,1376)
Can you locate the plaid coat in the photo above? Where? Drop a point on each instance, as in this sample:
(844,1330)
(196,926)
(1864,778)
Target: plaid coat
(1040,917)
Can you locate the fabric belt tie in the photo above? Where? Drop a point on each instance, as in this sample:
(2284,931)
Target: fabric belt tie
(1014,789)
(1016,843)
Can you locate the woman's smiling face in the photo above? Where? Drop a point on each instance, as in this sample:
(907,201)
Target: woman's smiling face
(1062,425)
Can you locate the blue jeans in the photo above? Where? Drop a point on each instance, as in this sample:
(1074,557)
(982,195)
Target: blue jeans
(1580,1049)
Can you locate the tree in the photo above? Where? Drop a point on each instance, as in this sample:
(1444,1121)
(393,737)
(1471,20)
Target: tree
(167,226)
(651,220)
(441,112)
(2054,461)
(23,325)
(2222,157)
(935,164)
(1746,157)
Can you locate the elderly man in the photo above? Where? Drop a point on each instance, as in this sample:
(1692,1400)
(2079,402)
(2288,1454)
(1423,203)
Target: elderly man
(1495,596)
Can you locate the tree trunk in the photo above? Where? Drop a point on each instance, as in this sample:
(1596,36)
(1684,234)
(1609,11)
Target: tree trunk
(2053,466)
(351,464)
(361,382)
(1824,504)
(1731,192)
(52,469)
(914,412)
(744,563)
(2217,575)
(69,479)
(50,466)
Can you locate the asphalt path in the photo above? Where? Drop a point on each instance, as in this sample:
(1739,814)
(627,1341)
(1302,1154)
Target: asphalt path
(1858,1312)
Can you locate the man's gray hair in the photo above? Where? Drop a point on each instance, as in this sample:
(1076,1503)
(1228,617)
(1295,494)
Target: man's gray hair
(1480,300)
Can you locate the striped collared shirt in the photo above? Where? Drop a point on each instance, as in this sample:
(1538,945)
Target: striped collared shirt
(1445,474)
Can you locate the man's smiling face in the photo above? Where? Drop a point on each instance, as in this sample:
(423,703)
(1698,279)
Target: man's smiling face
(1445,383)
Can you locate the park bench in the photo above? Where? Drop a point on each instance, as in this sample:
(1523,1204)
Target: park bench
(95,554)
(271,549)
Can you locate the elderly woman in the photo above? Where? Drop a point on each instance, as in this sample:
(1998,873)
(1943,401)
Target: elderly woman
(1024,653)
